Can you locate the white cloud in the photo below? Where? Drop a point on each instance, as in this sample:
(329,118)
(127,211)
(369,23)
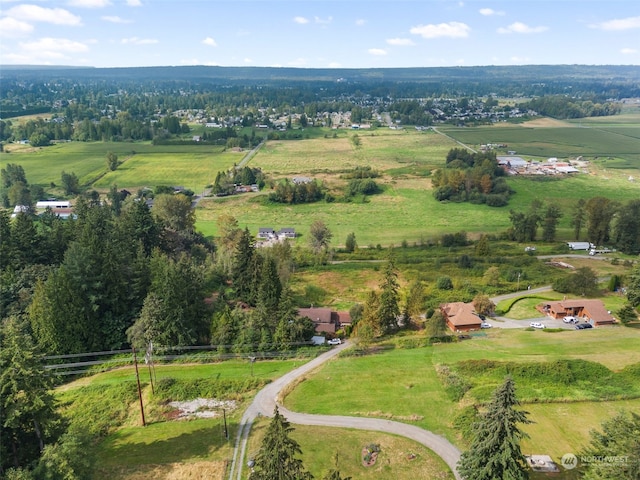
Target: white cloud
(35,13)
(52,48)
(334,65)
(210,41)
(488,12)
(134,3)
(450,30)
(115,19)
(618,24)
(248,60)
(400,42)
(10,27)
(360,22)
(516,59)
(377,51)
(300,20)
(519,27)
(323,21)
(89,3)
(628,51)
(139,41)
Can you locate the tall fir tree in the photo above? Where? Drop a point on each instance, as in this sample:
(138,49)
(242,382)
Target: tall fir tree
(241,272)
(389,308)
(619,439)
(276,459)
(28,417)
(495,450)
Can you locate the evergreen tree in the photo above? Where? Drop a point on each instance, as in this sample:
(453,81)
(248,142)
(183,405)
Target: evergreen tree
(389,309)
(578,217)
(28,417)
(620,438)
(276,459)
(495,450)
(550,220)
(269,290)
(627,228)
(370,321)
(242,269)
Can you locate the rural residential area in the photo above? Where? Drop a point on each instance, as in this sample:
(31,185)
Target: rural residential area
(295,271)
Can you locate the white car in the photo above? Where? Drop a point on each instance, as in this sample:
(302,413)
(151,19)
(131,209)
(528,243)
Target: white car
(334,341)
(536,325)
(570,319)
(485,325)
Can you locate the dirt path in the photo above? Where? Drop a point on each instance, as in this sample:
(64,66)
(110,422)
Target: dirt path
(266,400)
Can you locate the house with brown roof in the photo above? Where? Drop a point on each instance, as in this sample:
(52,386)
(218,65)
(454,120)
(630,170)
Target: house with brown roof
(326,320)
(592,311)
(460,316)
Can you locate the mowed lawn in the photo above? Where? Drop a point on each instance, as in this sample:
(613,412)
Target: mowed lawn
(402,384)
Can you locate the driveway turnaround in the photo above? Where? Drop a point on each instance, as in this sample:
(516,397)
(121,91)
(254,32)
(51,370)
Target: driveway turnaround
(265,401)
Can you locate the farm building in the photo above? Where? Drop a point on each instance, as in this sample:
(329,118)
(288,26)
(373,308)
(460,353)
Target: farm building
(460,316)
(592,311)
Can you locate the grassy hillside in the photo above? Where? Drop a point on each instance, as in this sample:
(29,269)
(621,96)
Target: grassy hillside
(408,386)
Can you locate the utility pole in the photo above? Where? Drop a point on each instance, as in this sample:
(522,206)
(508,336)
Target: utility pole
(252,360)
(226,431)
(135,362)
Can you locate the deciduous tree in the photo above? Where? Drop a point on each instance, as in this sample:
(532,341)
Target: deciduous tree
(320,236)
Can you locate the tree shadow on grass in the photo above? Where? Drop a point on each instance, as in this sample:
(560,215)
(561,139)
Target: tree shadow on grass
(159,443)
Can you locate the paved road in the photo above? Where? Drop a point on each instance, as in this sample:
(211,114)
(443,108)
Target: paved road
(265,401)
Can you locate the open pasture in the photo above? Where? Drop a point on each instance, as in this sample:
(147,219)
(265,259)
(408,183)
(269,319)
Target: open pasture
(381,149)
(142,164)
(407,387)
(193,170)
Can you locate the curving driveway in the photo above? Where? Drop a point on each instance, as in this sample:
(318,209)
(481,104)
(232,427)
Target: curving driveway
(265,401)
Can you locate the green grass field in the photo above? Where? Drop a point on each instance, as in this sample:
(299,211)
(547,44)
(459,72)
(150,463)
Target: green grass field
(142,164)
(403,383)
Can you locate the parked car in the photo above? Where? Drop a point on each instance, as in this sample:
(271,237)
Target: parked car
(582,326)
(570,319)
(334,341)
(536,325)
(485,325)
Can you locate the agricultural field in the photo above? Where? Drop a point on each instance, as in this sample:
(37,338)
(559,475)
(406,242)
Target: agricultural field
(142,164)
(406,209)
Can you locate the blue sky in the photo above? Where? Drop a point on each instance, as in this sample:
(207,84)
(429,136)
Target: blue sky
(319,34)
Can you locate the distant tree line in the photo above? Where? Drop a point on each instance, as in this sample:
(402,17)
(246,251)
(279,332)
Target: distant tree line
(599,220)
(565,107)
